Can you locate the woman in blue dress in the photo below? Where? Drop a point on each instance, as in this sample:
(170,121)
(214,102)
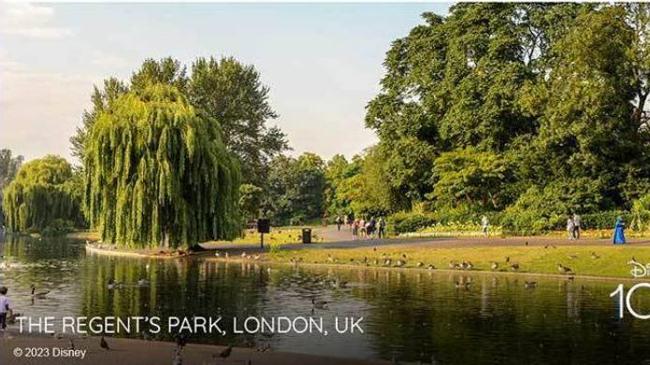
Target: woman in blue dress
(619,234)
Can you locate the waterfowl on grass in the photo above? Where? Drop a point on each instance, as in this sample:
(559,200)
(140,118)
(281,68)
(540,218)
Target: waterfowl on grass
(530,284)
(594,256)
(564,269)
(494,265)
(514,267)
(419,264)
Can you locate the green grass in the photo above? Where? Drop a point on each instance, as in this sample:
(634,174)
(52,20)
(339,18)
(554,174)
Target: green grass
(278,236)
(612,261)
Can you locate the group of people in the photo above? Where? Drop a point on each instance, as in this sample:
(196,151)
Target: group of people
(361,228)
(573,225)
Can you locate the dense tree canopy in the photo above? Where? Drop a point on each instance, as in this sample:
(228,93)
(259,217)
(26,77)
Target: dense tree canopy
(296,189)
(158,173)
(44,197)
(9,166)
(536,99)
(225,90)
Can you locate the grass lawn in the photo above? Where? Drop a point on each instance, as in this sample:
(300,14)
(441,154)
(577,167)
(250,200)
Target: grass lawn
(608,261)
(278,236)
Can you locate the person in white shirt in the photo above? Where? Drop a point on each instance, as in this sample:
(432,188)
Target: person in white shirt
(576,226)
(5,308)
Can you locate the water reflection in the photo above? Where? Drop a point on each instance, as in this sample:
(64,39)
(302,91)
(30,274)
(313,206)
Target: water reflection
(453,318)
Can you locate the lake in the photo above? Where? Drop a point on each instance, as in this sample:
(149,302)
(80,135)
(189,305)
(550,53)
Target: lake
(410,315)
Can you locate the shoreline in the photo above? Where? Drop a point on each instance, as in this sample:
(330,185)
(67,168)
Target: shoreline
(127,351)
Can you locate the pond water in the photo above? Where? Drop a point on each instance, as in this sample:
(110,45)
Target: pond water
(412,316)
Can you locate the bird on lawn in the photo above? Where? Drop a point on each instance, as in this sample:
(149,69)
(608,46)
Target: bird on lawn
(507,259)
(400,263)
(40,294)
(530,284)
(103,344)
(564,269)
(494,265)
(431,267)
(594,256)
(514,266)
(420,264)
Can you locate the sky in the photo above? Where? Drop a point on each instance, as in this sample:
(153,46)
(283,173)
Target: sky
(322,62)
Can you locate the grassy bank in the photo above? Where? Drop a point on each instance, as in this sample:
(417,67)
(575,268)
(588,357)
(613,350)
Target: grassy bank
(603,261)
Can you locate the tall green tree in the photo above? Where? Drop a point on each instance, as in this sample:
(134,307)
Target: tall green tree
(222,89)
(9,166)
(158,173)
(296,189)
(44,195)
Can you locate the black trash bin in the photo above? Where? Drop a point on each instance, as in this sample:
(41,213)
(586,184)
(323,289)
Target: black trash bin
(306,235)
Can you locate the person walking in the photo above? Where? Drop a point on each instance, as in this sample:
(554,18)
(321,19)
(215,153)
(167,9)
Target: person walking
(570,227)
(362,228)
(381,232)
(619,232)
(372,227)
(576,226)
(355,229)
(485,223)
(5,309)
(338,221)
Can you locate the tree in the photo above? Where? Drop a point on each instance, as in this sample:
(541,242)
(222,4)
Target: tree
(234,94)
(225,90)
(43,197)
(9,166)
(471,177)
(296,187)
(337,171)
(250,201)
(158,174)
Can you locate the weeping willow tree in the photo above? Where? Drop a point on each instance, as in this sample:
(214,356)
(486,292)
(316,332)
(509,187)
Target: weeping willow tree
(158,173)
(44,197)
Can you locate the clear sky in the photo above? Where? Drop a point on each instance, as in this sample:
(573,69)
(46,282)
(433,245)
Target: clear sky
(322,62)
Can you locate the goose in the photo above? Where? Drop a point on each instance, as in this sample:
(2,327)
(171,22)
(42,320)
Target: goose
(330,258)
(514,266)
(103,344)
(388,262)
(431,267)
(243,254)
(143,282)
(256,257)
(495,265)
(594,256)
(420,264)
(453,265)
(507,259)
(40,294)
(466,265)
(530,284)
(217,254)
(563,269)
(572,257)
(318,304)
(400,263)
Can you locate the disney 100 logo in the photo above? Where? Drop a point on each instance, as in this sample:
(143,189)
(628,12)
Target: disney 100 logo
(638,270)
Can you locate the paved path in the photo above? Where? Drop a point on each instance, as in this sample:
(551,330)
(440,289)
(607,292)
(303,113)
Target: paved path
(343,239)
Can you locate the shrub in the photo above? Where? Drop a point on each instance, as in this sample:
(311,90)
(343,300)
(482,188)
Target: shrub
(58,227)
(604,220)
(403,222)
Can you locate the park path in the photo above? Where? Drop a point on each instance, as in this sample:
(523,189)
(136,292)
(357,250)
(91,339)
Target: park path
(343,239)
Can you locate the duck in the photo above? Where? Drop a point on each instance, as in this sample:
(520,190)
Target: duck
(112,284)
(514,266)
(467,265)
(419,264)
(318,304)
(530,284)
(388,262)
(594,256)
(494,265)
(400,263)
(431,267)
(40,294)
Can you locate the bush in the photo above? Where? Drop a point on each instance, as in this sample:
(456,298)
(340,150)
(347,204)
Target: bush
(604,220)
(403,222)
